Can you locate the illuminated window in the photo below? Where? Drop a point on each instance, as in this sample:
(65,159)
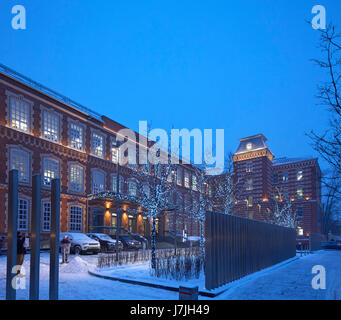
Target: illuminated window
(114,183)
(249,167)
(299,175)
(98,181)
(194,183)
(50,126)
(250,202)
(76,136)
(179,176)
(76,178)
(97,145)
(20,161)
(250,215)
(299,193)
(22,214)
(186,179)
(300,231)
(19,114)
(76,215)
(285,176)
(46,221)
(114,155)
(51,171)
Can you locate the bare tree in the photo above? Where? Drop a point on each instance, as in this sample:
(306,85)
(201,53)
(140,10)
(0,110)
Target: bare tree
(155,194)
(330,203)
(202,200)
(328,144)
(282,213)
(227,188)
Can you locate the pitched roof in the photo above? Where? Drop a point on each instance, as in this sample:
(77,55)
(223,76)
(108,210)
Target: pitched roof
(252,143)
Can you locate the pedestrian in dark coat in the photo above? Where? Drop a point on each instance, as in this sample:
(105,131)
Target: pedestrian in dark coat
(21,250)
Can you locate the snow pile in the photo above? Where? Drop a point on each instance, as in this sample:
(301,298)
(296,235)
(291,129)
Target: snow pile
(75,265)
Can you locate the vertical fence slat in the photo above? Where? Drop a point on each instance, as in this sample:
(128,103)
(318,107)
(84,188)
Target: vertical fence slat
(35,238)
(54,239)
(12,226)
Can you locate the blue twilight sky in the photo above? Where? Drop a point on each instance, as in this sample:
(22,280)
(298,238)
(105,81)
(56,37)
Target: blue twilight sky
(242,66)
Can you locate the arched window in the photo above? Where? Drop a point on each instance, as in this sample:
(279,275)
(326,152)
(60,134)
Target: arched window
(51,171)
(19,160)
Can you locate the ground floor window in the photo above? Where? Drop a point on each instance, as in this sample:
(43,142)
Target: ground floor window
(22,215)
(46,223)
(76,214)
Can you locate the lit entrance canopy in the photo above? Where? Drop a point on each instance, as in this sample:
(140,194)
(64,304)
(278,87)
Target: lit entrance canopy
(133,201)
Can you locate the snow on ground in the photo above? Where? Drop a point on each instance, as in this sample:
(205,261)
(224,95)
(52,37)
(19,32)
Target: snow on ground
(284,281)
(140,272)
(76,284)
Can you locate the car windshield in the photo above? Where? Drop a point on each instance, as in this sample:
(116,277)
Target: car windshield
(79,236)
(103,237)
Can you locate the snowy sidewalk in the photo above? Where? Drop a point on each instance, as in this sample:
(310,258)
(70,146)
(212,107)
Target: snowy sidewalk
(292,281)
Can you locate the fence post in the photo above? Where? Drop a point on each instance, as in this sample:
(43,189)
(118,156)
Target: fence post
(54,239)
(35,238)
(12,226)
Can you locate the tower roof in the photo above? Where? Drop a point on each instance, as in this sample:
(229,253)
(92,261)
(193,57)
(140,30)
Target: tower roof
(252,143)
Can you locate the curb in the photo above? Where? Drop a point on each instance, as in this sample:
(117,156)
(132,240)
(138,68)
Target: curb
(153,285)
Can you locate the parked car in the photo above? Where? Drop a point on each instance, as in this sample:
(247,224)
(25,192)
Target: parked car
(107,243)
(81,243)
(138,237)
(129,243)
(331,245)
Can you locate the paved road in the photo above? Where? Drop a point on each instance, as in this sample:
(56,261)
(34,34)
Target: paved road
(293,281)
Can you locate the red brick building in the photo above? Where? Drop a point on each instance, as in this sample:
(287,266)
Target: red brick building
(42,132)
(262,174)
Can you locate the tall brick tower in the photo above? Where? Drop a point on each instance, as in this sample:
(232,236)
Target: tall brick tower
(253,167)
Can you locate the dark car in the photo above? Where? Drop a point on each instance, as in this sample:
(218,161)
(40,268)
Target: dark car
(141,239)
(331,245)
(107,243)
(129,243)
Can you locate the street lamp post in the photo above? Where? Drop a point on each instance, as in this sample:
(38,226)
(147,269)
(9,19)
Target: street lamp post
(118,218)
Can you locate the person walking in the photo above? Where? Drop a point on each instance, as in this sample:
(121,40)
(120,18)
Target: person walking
(21,250)
(65,244)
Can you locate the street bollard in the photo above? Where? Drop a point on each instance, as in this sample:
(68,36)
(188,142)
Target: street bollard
(186,293)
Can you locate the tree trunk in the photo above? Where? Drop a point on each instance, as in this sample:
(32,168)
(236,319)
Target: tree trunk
(202,238)
(153,244)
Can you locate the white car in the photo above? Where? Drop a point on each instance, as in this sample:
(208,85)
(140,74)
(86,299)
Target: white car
(81,243)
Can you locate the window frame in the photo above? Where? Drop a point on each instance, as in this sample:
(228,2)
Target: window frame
(71,223)
(70,177)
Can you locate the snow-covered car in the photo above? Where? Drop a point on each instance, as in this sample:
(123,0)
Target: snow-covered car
(107,244)
(81,243)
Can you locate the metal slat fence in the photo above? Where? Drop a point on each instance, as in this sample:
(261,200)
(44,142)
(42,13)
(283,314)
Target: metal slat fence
(236,247)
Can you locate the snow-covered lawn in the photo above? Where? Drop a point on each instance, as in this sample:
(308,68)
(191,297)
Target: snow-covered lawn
(284,281)
(76,284)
